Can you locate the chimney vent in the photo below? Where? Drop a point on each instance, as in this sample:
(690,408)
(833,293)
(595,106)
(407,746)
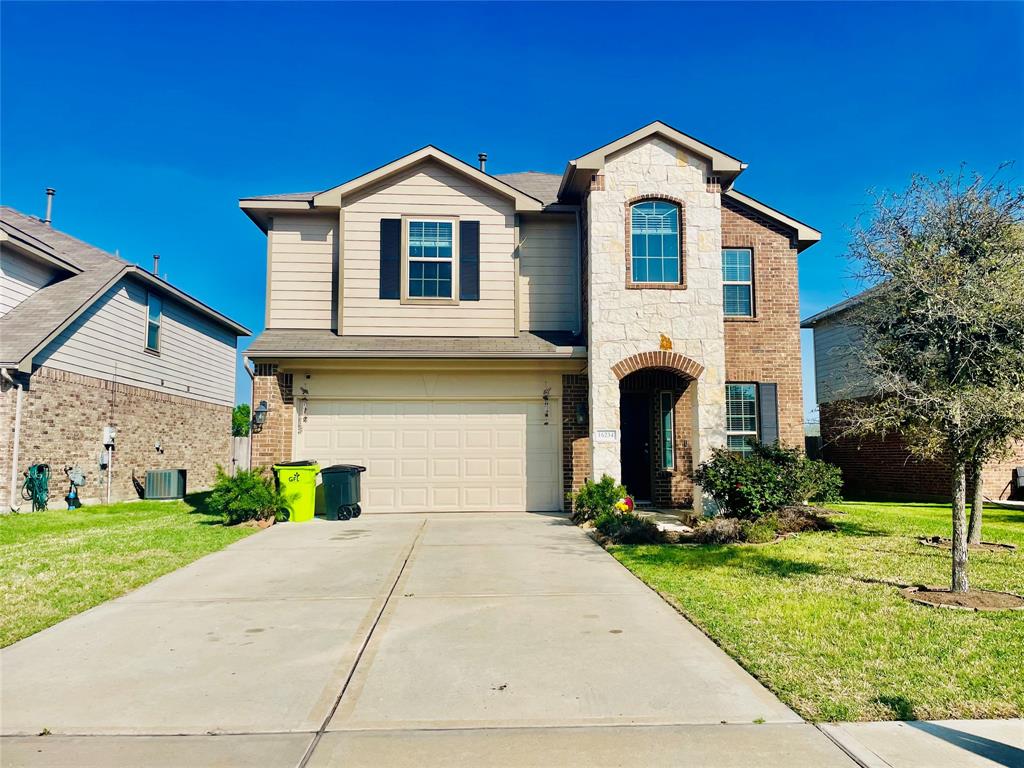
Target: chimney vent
(50,192)
(156,264)
(482,157)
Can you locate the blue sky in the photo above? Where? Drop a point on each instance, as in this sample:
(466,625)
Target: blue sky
(151,120)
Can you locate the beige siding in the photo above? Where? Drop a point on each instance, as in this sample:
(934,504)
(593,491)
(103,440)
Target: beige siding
(20,277)
(301,269)
(548,281)
(196,359)
(428,190)
(837,373)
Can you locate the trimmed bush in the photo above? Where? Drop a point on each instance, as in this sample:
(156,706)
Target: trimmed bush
(750,487)
(249,495)
(594,498)
(627,528)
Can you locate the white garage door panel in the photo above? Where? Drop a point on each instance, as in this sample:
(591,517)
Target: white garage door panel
(439,455)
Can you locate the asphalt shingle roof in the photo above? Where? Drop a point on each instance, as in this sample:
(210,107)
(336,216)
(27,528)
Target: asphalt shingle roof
(278,342)
(31,322)
(543,186)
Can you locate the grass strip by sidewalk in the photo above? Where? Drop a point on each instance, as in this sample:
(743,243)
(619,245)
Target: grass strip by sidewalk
(817,617)
(56,563)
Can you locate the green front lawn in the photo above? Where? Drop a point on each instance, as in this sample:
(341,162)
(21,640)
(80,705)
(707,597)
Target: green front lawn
(57,563)
(817,619)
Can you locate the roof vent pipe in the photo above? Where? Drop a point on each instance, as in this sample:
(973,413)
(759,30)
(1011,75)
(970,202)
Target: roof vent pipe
(482,157)
(156,264)
(50,192)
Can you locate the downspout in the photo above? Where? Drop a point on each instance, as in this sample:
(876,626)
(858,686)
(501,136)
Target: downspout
(17,440)
(252,401)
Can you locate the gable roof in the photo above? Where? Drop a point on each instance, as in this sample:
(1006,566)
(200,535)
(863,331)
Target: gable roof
(257,207)
(578,172)
(806,235)
(535,190)
(332,197)
(37,320)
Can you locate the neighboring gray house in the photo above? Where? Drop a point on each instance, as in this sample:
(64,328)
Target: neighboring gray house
(89,341)
(878,467)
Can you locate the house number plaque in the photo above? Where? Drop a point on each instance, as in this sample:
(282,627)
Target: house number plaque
(606,435)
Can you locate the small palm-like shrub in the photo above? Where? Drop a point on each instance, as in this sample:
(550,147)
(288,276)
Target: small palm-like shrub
(249,495)
(627,528)
(594,498)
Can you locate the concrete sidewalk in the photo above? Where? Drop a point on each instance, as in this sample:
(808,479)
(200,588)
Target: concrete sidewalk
(473,639)
(923,743)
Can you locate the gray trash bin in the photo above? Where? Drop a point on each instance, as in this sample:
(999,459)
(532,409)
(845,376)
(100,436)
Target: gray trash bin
(341,491)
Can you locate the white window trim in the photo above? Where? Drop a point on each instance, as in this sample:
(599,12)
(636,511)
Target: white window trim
(668,459)
(750,282)
(405,297)
(757,415)
(159,325)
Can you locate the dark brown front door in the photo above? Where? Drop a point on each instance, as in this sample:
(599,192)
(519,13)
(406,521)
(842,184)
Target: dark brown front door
(636,444)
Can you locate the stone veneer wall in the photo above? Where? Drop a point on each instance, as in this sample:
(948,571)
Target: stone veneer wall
(767,346)
(62,421)
(624,322)
(273,443)
(883,468)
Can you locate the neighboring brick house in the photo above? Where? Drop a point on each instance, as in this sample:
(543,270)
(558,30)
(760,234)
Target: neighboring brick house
(89,341)
(487,342)
(879,467)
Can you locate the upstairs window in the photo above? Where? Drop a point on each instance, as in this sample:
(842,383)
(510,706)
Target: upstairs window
(740,417)
(654,243)
(154,317)
(431,256)
(738,282)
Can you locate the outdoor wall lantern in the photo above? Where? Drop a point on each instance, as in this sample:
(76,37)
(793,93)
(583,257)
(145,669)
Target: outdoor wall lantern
(259,416)
(581,413)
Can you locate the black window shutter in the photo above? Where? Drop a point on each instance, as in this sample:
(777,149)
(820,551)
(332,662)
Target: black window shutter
(768,410)
(390,258)
(469,260)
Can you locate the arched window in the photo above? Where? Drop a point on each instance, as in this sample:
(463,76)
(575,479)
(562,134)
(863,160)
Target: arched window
(654,229)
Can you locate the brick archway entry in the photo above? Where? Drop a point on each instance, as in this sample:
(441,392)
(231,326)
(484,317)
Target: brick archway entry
(656,403)
(661,360)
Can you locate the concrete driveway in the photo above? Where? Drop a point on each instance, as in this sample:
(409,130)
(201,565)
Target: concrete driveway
(472,639)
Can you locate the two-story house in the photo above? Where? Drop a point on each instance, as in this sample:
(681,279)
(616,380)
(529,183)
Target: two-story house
(486,342)
(107,367)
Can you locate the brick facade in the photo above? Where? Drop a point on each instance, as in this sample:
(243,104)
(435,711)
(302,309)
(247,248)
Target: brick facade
(273,443)
(62,421)
(767,346)
(883,468)
(575,436)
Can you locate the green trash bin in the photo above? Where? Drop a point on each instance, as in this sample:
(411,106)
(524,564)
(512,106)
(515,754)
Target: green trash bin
(297,482)
(341,491)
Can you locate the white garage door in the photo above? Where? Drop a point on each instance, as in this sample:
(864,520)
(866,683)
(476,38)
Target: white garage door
(439,455)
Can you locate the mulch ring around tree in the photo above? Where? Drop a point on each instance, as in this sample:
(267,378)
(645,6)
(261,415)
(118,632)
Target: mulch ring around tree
(975,600)
(941,542)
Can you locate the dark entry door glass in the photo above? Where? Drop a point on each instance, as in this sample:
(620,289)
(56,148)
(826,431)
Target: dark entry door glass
(636,447)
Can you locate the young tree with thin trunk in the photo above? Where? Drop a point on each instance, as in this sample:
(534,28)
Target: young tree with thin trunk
(942,328)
